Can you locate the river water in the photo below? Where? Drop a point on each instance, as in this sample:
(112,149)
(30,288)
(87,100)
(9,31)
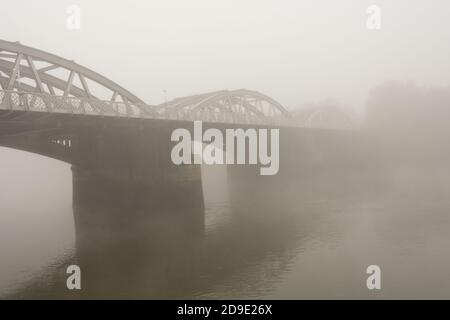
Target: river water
(318,249)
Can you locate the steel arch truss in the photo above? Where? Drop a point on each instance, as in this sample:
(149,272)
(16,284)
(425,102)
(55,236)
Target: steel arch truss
(232,106)
(26,69)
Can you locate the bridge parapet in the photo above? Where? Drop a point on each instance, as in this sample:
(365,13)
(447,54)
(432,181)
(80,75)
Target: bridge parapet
(43,102)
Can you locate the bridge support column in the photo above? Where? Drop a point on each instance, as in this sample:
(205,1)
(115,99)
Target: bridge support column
(130,190)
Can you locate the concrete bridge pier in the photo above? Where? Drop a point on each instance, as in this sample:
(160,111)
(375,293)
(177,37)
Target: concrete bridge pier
(125,189)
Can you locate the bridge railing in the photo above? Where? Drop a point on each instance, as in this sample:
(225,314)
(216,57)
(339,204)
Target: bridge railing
(43,102)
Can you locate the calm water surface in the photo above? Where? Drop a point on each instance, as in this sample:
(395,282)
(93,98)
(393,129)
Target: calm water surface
(319,249)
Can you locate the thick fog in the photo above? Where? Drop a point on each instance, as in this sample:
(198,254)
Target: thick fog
(393,81)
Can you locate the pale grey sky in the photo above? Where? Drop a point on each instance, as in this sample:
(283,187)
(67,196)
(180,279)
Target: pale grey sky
(295,51)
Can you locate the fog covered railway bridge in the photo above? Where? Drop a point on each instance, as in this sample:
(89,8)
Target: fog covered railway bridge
(119,146)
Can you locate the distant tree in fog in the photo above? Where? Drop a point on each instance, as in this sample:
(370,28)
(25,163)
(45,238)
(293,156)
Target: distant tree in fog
(400,107)
(413,121)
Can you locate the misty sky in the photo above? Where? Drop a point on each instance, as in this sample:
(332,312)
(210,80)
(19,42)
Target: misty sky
(295,51)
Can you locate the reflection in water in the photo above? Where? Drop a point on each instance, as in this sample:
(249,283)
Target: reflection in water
(162,266)
(319,248)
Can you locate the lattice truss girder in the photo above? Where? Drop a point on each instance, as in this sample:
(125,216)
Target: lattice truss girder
(55,75)
(25,69)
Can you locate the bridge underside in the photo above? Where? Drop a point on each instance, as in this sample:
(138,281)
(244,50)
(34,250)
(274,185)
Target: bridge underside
(124,181)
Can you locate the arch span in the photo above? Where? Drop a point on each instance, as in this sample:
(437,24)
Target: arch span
(18,61)
(240,105)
